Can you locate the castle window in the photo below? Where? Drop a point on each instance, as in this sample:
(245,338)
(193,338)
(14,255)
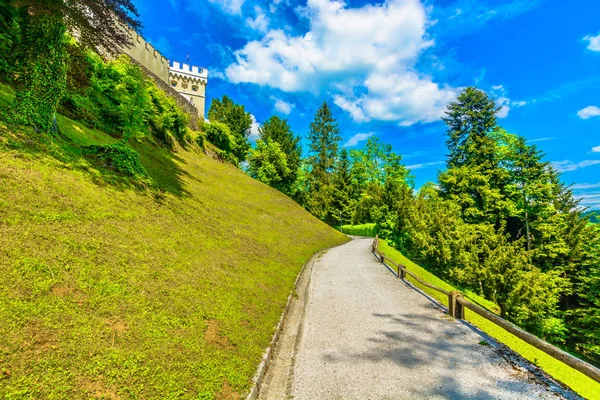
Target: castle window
(195,88)
(174,83)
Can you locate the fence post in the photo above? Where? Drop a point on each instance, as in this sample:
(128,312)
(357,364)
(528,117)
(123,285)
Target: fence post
(401,272)
(455,309)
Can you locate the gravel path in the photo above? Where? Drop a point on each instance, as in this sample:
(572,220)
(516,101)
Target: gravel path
(366,335)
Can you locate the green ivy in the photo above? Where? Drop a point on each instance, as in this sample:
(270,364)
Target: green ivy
(41,74)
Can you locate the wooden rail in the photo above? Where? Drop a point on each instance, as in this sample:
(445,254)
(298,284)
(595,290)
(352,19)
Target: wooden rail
(456,307)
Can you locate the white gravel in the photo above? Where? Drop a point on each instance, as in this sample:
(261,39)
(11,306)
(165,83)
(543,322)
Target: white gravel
(366,335)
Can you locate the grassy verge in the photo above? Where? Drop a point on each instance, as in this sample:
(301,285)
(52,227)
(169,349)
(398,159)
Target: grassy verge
(112,289)
(369,230)
(580,383)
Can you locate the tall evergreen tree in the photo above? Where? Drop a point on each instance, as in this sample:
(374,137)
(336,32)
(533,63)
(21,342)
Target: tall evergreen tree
(239,121)
(324,138)
(342,202)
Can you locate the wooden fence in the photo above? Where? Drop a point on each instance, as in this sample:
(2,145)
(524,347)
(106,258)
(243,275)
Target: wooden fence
(456,307)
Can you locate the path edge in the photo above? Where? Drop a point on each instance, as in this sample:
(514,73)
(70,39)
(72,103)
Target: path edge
(257,380)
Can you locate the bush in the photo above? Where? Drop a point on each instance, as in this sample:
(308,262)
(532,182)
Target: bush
(118,99)
(369,230)
(122,159)
(219,134)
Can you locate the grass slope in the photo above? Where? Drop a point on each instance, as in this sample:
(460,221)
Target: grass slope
(360,230)
(580,383)
(113,290)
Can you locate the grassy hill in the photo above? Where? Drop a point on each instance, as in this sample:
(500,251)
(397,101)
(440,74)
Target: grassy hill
(111,288)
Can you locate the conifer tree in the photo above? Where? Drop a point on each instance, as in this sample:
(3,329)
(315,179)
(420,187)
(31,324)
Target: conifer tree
(324,138)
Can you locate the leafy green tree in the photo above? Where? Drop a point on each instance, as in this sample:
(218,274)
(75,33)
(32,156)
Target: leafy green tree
(324,138)
(239,121)
(343,204)
(41,53)
(278,131)
(9,36)
(268,163)
(219,134)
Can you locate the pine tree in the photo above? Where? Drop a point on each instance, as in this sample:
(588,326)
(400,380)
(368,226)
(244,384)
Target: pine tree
(324,138)
(342,203)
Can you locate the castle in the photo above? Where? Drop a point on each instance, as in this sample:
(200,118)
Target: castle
(187,80)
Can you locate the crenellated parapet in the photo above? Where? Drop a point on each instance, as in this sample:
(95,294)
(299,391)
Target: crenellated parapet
(190,81)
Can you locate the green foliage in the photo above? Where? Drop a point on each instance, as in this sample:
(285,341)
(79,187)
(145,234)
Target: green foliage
(41,54)
(41,70)
(369,230)
(121,158)
(278,131)
(268,163)
(324,138)
(220,135)
(239,121)
(9,39)
(593,216)
(117,98)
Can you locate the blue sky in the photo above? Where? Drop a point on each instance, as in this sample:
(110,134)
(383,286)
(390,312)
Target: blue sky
(389,68)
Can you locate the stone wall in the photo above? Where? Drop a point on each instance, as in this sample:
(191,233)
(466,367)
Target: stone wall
(181,101)
(146,55)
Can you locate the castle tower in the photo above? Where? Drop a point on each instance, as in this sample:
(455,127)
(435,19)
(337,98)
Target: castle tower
(190,81)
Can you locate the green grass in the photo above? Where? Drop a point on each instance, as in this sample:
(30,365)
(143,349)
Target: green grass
(577,381)
(369,230)
(112,289)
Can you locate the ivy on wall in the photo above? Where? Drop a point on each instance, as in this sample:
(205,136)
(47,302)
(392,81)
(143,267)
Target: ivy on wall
(41,77)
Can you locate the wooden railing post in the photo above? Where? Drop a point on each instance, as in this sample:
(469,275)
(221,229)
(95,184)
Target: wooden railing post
(455,309)
(401,272)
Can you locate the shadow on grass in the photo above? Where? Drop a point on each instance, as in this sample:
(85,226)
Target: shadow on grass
(71,146)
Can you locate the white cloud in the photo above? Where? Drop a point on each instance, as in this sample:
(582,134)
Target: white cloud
(283,106)
(424,165)
(596,149)
(233,7)
(359,137)
(540,139)
(566,166)
(589,112)
(502,100)
(594,44)
(254,128)
(365,57)
(583,186)
(259,23)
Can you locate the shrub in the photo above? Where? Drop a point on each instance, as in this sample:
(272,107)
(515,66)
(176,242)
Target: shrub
(360,230)
(122,159)
(219,134)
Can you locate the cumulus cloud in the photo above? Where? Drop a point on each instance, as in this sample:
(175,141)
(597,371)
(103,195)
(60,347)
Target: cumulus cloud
(596,149)
(594,42)
(567,165)
(283,106)
(233,7)
(259,23)
(254,128)
(364,56)
(589,112)
(359,137)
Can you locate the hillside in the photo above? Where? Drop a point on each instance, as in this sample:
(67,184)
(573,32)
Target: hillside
(111,288)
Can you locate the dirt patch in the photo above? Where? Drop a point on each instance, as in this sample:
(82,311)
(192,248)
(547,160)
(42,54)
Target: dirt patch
(117,325)
(227,393)
(212,334)
(99,390)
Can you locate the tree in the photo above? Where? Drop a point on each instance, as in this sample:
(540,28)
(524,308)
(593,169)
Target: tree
(343,204)
(41,52)
(239,121)
(268,164)
(324,138)
(278,131)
